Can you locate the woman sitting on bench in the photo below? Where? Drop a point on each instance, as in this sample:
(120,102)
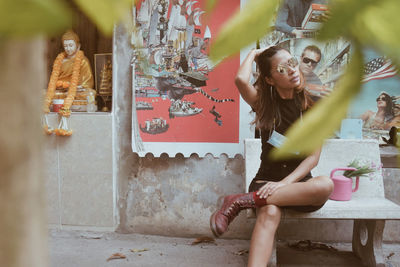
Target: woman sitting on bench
(278,99)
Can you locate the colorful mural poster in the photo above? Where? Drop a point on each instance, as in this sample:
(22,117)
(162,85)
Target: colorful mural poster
(378,104)
(181,97)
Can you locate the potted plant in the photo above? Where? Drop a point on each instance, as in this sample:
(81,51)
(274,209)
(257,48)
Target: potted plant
(360,170)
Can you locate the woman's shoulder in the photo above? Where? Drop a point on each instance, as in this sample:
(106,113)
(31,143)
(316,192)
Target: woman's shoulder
(367,114)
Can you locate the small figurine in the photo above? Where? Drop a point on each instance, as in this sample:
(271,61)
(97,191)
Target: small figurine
(71,71)
(105,88)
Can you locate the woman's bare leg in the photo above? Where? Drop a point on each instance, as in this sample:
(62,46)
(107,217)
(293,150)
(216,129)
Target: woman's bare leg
(262,239)
(313,192)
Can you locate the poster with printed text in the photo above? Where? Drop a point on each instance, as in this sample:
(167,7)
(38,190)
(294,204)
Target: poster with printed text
(183,102)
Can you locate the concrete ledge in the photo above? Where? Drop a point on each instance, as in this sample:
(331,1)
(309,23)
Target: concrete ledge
(79,172)
(373,208)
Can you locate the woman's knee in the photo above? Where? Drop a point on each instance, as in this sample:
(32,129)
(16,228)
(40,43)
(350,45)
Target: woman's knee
(324,186)
(269,214)
(328,185)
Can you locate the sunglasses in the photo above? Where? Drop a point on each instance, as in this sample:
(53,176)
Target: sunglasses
(283,68)
(381,98)
(307,60)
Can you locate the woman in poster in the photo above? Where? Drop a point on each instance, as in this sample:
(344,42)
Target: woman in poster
(385,117)
(278,99)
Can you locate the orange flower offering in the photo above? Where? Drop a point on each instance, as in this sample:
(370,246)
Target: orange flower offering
(63,128)
(51,88)
(61,132)
(65,85)
(74,80)
(64,112)
(47,130)
(45,125)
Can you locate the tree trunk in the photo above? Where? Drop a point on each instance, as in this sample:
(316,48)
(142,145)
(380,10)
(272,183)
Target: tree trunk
(23,223)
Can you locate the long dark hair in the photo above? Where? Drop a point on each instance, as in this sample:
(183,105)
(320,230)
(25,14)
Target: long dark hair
(389,109)
(266,107)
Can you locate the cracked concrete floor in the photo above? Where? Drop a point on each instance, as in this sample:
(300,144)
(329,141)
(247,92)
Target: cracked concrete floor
(93,249)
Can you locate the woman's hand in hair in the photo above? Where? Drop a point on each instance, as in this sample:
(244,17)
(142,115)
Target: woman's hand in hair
(259,50)
(269,188)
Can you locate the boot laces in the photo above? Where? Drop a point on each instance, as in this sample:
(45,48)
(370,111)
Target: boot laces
(237,206)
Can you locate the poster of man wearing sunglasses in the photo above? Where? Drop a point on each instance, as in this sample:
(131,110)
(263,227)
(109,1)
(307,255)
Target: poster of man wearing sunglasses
(321,63)
(308,62)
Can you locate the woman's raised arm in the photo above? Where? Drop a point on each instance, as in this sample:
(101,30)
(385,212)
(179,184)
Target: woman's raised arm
(242,79)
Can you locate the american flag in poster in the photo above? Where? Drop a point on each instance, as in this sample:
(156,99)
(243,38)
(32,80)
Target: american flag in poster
(378,68)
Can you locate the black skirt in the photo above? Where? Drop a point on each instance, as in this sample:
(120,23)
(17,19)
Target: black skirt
(256,184)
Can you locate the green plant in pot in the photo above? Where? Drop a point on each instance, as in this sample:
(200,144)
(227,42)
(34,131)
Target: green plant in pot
(361,170)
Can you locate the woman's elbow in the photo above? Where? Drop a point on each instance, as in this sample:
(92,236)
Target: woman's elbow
(240,82)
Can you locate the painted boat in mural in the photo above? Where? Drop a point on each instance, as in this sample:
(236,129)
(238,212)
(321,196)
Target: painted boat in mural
(183,108)
(185,113)
(155,126)
(143,105)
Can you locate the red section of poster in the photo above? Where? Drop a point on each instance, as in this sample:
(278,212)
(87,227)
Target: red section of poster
(182,97)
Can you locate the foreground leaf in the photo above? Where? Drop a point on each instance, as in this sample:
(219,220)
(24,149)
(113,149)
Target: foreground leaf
(378,27)
(325,117)
(244,28)
(27,18)
(105,12)
(343,13)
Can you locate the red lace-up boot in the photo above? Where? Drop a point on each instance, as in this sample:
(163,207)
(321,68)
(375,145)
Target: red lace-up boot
(231,207)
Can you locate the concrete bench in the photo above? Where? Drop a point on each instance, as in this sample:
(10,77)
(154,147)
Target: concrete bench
(368,207)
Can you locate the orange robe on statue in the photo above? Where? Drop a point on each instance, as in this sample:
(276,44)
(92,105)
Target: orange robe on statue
(85,77)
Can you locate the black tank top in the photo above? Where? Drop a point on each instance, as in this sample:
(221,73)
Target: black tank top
(276,170)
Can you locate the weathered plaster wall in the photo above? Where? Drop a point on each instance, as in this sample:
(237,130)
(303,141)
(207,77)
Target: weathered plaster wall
(176,196)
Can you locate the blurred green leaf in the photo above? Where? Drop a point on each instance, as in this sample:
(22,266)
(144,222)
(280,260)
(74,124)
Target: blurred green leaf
(31,17)
(325,117)
(105,12)
(342,16)
(378,27)
(372,23)
(244,28)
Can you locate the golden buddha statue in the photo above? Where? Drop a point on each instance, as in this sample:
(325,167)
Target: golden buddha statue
(71,44)
(71,79)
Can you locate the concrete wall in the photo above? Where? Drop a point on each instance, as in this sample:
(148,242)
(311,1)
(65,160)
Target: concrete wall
(176,196)
(95,181)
